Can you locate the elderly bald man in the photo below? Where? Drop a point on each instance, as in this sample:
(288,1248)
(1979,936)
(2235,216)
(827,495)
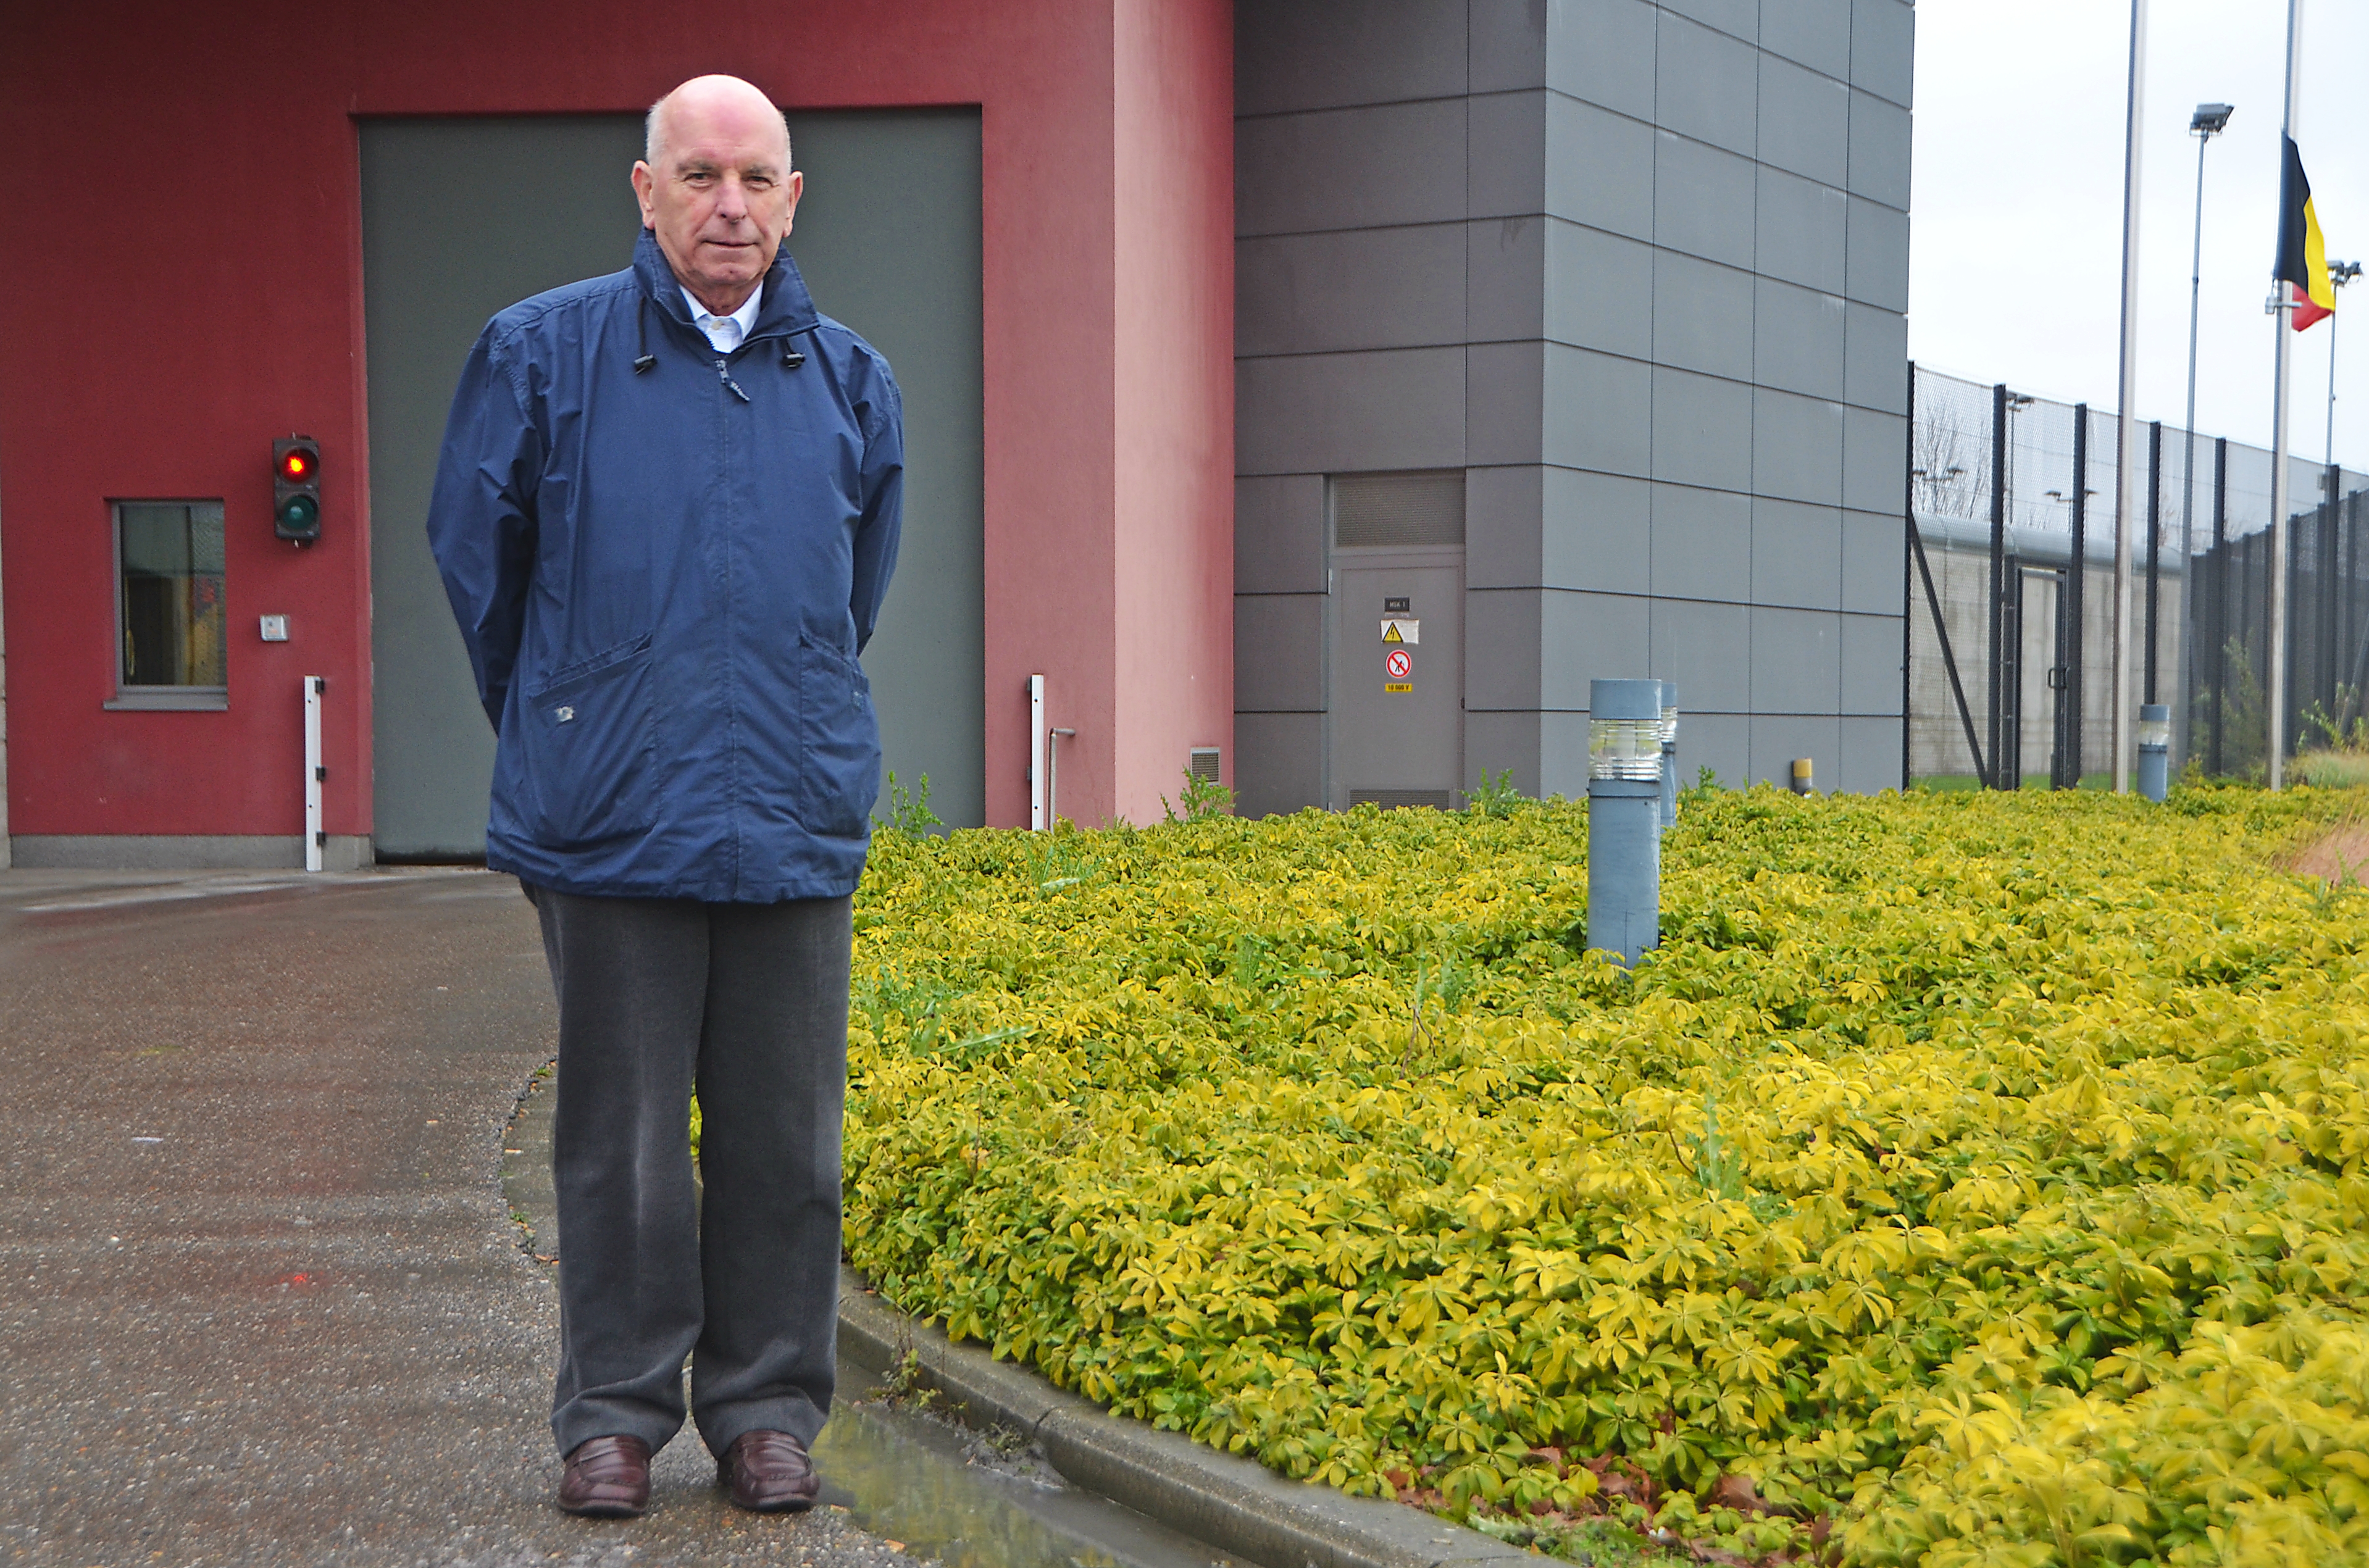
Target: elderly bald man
(666,513)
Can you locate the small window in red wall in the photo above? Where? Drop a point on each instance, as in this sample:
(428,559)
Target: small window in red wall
(171,622)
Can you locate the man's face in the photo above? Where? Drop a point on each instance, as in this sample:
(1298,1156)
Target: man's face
(722,202)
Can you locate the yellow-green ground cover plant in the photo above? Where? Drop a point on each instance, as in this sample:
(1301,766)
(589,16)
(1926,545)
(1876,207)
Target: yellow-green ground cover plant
(1966,1180)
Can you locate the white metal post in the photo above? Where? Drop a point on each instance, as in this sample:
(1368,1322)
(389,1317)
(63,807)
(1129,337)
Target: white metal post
(2275,679)
(2126,476)
(314,772)
(1039,821)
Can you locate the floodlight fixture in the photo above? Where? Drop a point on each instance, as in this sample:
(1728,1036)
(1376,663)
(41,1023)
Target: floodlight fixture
(2210,118)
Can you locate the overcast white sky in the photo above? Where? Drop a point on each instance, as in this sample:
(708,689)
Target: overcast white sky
(2015,253)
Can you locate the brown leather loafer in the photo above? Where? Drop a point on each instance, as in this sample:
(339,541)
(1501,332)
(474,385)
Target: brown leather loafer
(769,1473)
(607,1478)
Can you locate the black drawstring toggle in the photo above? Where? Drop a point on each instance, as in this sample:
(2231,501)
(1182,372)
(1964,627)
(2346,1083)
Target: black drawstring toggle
(791,358)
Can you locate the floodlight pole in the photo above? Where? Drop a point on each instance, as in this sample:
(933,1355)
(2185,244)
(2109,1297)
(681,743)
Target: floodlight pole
(2208,120)
(2126,422)
(2338,274)
(2282,302)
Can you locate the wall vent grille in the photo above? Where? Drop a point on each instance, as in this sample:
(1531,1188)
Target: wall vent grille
(1394,799)
(1423,507)
(1202,762)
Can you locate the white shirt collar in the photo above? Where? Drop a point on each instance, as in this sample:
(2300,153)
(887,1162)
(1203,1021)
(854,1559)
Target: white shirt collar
(726,333)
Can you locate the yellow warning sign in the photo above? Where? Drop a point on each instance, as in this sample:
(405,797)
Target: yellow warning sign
(1399,629)
(1398,685)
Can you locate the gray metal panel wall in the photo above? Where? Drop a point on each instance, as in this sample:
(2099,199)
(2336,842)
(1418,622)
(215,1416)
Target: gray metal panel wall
(1641,270)
(443,251)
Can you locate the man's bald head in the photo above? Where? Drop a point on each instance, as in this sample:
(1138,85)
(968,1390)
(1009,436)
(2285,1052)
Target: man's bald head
(703,102)
(717,188)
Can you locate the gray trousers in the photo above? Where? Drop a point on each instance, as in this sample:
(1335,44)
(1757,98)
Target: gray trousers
(749,1003)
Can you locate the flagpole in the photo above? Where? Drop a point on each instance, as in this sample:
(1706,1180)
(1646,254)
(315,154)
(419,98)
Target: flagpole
(2275,655)
(2126,487)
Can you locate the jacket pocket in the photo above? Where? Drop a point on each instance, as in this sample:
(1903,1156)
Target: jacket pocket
(839,743)
(589,739)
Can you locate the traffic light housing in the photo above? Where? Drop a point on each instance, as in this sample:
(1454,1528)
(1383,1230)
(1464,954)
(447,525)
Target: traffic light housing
(296,489)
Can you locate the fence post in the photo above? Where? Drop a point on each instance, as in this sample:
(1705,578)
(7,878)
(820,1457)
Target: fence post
(1907,566)
(2287,564)
(2155,545)
(2077,583)
(2326,675)
(1999,564)
(2220,595)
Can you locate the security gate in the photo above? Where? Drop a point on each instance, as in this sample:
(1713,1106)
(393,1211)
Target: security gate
(2017,663)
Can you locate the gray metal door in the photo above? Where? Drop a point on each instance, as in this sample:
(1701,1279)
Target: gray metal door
(1397,676)
(464,216)
(1395,687)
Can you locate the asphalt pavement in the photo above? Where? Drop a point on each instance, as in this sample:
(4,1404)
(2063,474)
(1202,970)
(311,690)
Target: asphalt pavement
(263,1299)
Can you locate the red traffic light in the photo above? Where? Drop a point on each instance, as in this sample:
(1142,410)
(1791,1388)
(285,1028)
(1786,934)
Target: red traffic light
(296,489)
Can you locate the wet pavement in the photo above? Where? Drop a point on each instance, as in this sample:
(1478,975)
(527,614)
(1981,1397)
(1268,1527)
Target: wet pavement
(894,1460)
(265,1302)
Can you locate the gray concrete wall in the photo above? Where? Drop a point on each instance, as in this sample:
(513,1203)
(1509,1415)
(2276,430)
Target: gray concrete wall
(185,851)
(1639,270)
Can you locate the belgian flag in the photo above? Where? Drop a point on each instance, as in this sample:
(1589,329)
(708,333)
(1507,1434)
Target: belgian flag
(2303,253)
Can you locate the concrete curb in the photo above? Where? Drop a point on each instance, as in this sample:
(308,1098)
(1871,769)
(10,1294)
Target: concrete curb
(1236,1504)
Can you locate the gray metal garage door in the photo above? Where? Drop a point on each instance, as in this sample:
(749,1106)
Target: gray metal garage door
(461,217)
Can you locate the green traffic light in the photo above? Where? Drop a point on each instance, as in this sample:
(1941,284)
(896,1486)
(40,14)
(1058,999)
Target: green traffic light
(299,512)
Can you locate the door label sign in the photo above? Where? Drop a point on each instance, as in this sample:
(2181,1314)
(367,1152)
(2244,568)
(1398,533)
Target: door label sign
(1397,605)
(1398,665)
(1399,629)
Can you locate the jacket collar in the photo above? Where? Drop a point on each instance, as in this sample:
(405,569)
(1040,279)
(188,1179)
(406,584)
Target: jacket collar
(786,308)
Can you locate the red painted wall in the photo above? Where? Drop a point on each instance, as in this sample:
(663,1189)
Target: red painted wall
(1174,428)
(161,322)
(156,331)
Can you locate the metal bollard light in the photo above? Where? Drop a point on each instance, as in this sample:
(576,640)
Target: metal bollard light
(2155,749)
(1624,816)
(1669,755)
(1803,776)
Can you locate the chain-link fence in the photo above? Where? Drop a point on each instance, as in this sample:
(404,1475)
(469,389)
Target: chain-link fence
(2011,591)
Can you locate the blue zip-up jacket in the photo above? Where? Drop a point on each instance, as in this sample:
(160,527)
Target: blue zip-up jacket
(665,561)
